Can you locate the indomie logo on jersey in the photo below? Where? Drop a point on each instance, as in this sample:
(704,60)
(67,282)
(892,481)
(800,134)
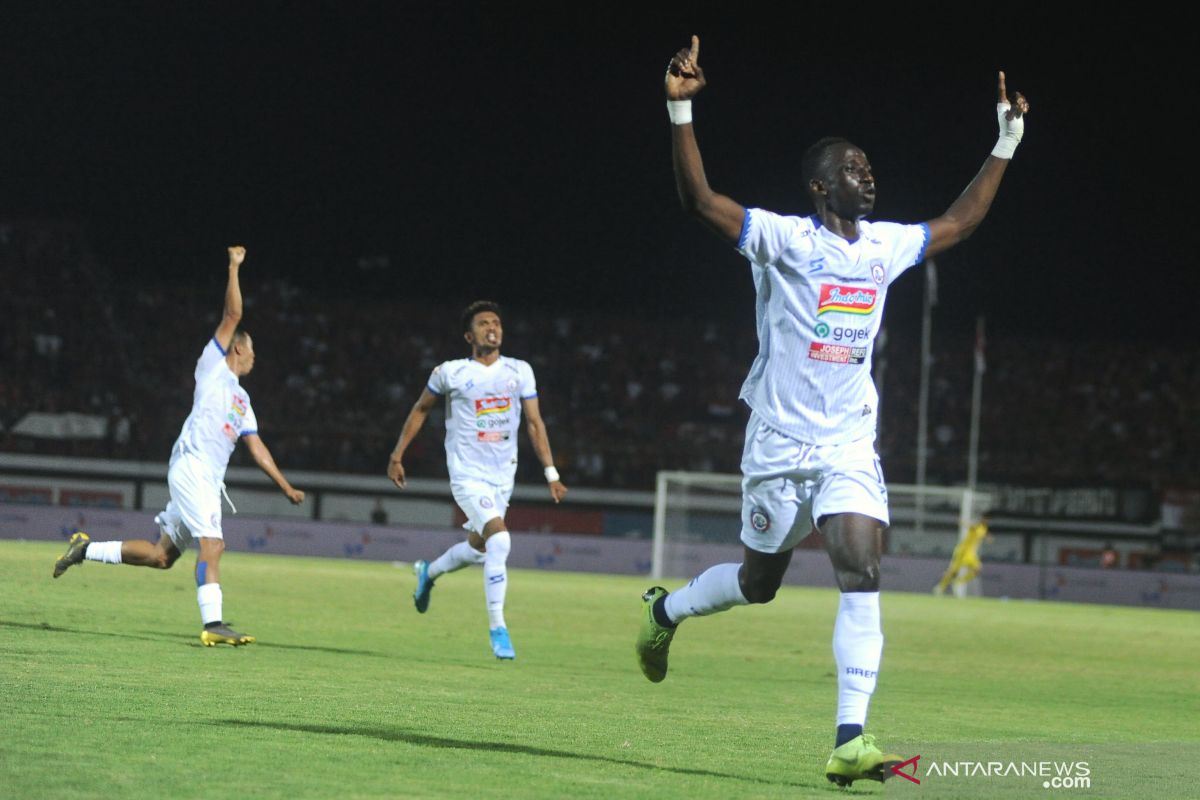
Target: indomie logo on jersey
(845,299)
(492,405)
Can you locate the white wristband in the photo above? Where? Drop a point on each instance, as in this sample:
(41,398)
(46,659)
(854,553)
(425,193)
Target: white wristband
(1011,131)
(680,112)
(551,474)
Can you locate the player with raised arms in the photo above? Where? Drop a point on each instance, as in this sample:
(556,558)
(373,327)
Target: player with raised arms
(484,395)
(221,414)
(809,457)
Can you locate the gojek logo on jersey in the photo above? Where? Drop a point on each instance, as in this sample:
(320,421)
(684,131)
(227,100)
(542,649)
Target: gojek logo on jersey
(846,299)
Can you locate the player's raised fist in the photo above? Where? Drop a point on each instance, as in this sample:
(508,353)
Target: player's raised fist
(684,78)
(237,254)
(1019,107)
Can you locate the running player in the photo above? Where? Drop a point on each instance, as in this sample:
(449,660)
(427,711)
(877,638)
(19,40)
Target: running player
(809,457)
(965,563)
(484,397)
(221,414)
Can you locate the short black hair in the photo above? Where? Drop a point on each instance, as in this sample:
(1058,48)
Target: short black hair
(478,307)
(815,163)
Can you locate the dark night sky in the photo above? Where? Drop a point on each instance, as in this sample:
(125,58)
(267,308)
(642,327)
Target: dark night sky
(526,157)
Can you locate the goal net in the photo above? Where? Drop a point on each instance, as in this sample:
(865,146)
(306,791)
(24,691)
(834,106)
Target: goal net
(698,513)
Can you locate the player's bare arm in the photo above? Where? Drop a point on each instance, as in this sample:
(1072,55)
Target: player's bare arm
(968,211)
(724,216)
(412,426)
(536,428)
(262,457)
(233,299)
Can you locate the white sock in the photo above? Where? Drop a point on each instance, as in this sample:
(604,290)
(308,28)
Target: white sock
(209,598)
(495,576)
(459,556)
(715,589)
(857,647)
(108,552)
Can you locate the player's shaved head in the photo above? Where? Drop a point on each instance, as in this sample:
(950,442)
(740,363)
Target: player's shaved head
(818,158)
(478,307)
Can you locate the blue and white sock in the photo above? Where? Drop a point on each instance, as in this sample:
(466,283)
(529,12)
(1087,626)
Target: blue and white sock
(459,556)
(715,589)
(495,576)
(209,598)
(108,552)
(858,649)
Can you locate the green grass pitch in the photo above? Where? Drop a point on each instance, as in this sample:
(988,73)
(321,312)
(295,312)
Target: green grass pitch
(105,690)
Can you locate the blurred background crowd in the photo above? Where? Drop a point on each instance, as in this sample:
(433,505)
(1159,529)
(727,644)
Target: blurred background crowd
(623,395)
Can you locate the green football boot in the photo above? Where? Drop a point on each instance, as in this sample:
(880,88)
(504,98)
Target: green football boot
(76,547)
(654,641)
(860,760)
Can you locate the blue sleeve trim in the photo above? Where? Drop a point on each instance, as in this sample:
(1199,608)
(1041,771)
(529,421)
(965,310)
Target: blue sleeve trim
(249,433)
(924,244)
(433,391)
(530,397)
(218,344)
(745,230)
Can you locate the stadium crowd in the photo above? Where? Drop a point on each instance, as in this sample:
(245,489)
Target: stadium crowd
(623,396)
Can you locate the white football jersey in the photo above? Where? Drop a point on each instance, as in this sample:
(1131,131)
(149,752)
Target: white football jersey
(221,413)
(819,306)
(483,413)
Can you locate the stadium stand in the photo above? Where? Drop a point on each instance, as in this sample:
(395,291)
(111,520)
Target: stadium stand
(623,396)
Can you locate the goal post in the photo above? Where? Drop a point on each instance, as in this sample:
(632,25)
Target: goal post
(694,511)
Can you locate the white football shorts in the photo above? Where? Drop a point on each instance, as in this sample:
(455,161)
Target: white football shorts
(194,510)
(481,501)
(788,485)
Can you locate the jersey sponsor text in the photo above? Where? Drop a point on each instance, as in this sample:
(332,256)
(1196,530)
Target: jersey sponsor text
(845,299)
(837,353)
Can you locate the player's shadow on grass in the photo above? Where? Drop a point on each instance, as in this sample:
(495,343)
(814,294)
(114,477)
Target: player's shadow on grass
(46,626)
(318,649)
(192,641)
(425,740)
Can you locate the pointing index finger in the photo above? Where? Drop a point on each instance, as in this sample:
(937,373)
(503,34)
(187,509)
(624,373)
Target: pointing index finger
(695,53)
(1001,91)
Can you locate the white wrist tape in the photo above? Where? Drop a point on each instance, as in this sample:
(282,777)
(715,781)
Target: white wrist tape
(551,474)
(680,111)
(1011,131)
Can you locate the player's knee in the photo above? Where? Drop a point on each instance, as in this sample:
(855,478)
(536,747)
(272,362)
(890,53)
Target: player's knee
(760,590)
(494,526)
(859,578)
(498,545)
(211,549)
